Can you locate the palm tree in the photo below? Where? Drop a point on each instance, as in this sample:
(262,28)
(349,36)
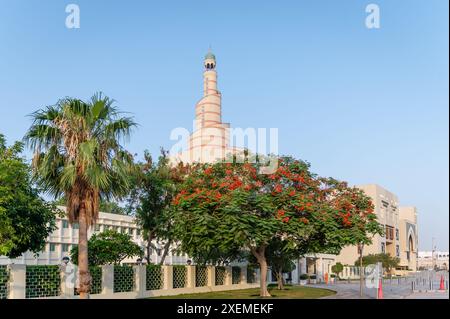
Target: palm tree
(78,156)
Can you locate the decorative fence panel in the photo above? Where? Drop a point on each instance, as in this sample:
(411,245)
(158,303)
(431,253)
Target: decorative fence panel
(4,278)
(179,276)
(42,281)
(96,285)
(236,275)
(251,275)
(220,276)
(201,276)
(119,281)
(123,278)
(154,278)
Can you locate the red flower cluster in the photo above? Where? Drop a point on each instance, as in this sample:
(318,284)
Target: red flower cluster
(304,220)
(278,188)
(345,219)
(236,184)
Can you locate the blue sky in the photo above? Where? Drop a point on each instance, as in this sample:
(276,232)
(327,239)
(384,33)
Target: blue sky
(363,105)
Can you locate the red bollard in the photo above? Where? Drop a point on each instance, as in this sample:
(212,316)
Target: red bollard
(380,290)
(442,286)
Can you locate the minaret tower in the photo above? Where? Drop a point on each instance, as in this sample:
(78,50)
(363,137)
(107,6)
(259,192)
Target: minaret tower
(209,141)
(208,111)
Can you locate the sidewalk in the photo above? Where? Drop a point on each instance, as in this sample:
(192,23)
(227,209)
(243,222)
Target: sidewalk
(390,291)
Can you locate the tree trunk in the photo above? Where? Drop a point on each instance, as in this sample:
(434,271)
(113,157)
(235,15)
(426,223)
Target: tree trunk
(280,281)
(83,264)
(260,256)
(166,251)
(149,247)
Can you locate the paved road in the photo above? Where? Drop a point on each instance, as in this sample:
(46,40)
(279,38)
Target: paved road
(391,290)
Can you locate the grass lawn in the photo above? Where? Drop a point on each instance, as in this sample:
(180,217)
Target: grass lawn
(289,292)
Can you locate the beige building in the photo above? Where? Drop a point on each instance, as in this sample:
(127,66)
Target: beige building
(408,238)
(400,225)
(65,237)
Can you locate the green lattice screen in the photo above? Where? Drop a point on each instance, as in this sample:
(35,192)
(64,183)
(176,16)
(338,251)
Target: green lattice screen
(201,276)
(42,281)
(251,275)
(220,276)
(179,276)
(236,275)
(123,278)
(96,285)
(154,278)
(4,277)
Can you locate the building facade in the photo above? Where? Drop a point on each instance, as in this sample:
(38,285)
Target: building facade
(408,238)
(428,260)
(400,225)
(65,237)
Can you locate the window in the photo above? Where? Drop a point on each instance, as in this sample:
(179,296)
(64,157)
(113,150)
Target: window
(65,248)
(397,250)
(138,232)
(397,235)
(383,248)
(52,247)
(75,226)
(65,224)
(97,227)
(130,231)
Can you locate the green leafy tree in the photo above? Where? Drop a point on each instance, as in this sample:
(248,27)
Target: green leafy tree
(239,206)
(337,268)
(109,247)
(154,186)
(78,155)
(388,262)
(112,208)
(25,218)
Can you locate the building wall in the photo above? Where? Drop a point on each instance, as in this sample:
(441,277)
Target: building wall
(408,238)
(65,237)
(387,211)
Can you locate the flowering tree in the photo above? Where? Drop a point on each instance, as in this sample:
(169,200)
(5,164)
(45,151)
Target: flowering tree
(232,206)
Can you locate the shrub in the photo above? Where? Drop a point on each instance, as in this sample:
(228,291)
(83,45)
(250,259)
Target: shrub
(304,277)
(313,277)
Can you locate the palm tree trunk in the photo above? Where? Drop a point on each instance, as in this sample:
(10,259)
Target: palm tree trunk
(83,265)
